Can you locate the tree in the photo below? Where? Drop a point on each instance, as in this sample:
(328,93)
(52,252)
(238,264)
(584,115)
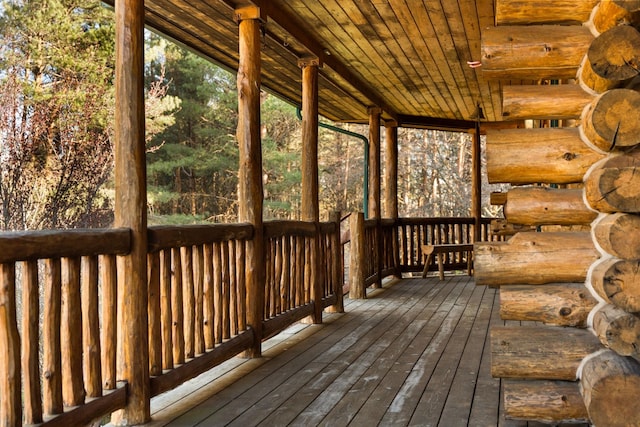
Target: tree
(57,69)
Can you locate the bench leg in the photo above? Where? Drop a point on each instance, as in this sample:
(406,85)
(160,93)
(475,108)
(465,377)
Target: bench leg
(469,263)
(426,265)
(440,266)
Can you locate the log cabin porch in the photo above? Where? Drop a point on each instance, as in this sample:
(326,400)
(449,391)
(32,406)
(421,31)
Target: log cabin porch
(153,307)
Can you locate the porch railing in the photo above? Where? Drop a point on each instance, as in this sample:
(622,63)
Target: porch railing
(59,302)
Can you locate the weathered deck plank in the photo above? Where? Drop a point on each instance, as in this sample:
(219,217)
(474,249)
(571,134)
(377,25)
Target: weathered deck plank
(414,353)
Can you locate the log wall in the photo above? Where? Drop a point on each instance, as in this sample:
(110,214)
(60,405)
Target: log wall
(599,152)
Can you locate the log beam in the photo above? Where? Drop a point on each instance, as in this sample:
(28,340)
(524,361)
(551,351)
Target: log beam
(535,258)
(533,52)
(610,385)
(566,304)
(527,156)
(547,206)
(544,102)
(611,13)
(551,402)
(524,12)
(546,353)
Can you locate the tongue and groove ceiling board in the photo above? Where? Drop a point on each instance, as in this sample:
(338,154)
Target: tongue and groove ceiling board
(407,56)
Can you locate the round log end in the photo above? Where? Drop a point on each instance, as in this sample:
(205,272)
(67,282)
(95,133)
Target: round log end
(610,386)
(619,235)
(613,120)
(616,281)
(615,54)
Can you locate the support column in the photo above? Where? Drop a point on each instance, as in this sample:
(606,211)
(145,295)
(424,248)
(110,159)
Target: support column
(310,203)
(391,186)
(374,187)
(374,162)
(476,183)
(391,170)
(250,192)
(131,211)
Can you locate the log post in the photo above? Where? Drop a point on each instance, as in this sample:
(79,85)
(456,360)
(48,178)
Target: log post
(535,258)
(527,156)
(612,121)
(476,182)
(610,385)
(391,170)
(540,352)
(533,52)
(131,210)
(618,330)
(358,257)
(374,186)
(337,268)
(619,235)
(310,203)
(565,304)
(559,102)
(547,206)
(618,282)
(551,402)
(391,184)
(250,191)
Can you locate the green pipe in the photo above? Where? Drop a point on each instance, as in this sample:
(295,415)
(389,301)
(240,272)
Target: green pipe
(365,185)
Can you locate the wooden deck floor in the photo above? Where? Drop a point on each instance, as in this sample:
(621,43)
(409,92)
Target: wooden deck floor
(413,353)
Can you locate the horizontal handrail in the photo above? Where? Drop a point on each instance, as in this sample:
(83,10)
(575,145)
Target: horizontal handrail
(164,237)
(42,244)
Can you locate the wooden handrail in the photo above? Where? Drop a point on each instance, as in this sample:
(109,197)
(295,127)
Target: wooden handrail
(164,237)
(30,245)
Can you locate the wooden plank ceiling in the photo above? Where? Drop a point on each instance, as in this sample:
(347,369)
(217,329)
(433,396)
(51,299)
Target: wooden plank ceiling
(407,56)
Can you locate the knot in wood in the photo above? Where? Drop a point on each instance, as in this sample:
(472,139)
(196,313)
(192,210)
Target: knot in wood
(569,156)
(565,311)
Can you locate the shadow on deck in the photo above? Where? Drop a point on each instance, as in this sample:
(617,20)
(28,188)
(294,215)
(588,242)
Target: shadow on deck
(413,353)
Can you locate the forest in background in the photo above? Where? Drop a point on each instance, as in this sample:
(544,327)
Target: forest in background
(56,130)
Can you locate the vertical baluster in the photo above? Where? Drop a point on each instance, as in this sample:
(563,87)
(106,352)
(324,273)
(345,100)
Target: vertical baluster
(166,309)
(91,327)
(208,300)
(188,300)
(292,256)
(242,283)
(301,295)
(405,250)
(217,287)
(198,285)
(30,344)
(155,316)
(71,334)
(108,275)
(285,279)
(177,307)
(275,281)
(10,391)
(233,289)
(267,312)
(52,362)
(277,254)
(226,284)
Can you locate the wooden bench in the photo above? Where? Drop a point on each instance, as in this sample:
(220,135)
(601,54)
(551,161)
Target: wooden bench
(429,250)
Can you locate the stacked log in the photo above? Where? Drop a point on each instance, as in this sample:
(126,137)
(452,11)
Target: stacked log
(582,365)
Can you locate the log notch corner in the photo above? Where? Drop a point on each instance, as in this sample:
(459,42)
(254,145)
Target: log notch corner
(590,371)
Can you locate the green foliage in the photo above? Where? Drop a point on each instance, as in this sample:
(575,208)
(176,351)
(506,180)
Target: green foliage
(56,85)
